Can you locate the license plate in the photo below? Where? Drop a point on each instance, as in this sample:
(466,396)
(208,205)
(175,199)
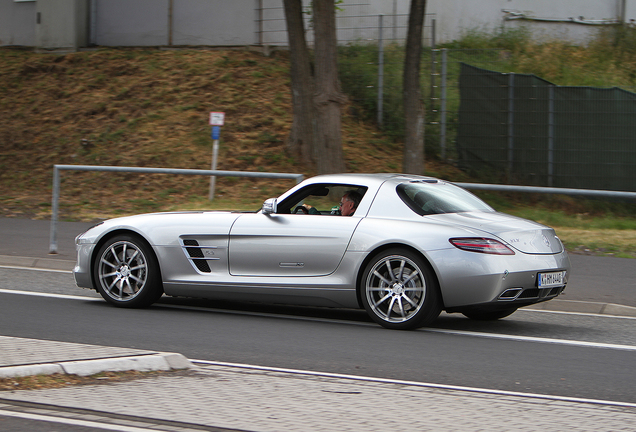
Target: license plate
(551,279)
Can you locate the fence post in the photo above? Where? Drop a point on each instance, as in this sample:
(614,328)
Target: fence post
(170,21)
(433,64)
(259,19)
(511,126)
(380,71)
(442,138)
(394,21)
(550,134)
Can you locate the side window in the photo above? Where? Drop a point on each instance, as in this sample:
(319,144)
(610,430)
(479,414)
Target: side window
(427,198)
(321,199)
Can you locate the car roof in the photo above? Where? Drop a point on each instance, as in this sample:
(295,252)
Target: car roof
(366,179)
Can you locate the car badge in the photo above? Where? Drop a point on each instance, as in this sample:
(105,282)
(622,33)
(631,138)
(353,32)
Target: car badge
(546,241)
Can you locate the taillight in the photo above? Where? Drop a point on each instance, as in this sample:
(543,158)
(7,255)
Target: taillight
(481,245)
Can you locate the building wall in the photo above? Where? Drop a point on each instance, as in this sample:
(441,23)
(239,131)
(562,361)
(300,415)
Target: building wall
(17,23)
(130,22)
(241,22)
(214,22)
(61,24)
(454,17)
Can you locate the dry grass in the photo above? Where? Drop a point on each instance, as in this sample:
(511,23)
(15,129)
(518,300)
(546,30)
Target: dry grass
(40,382)
(149,108)
(612,242)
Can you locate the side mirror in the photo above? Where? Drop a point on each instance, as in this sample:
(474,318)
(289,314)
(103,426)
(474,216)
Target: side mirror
(269,206)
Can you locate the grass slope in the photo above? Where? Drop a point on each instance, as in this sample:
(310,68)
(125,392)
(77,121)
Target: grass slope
(149,108)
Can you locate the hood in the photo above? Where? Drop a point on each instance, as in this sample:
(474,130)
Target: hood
(520,234)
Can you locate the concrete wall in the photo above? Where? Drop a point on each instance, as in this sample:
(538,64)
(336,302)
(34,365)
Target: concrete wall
(17,23)
(131,22)
(454,17)
(214,22)
(193,22)
(61,24)
(64,23)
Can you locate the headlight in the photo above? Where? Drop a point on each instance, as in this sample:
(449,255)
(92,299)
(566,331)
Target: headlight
(80,238)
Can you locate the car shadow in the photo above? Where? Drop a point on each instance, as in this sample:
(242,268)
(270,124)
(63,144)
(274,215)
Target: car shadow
(342,314)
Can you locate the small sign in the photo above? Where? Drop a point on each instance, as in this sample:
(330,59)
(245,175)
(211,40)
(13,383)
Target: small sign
(216,132)
(217,118)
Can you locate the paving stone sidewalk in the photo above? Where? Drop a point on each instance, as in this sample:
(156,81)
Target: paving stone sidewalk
(262,401)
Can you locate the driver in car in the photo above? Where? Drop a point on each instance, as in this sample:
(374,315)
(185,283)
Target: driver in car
(348,204)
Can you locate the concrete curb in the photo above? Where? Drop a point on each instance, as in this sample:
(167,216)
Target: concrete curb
(37,263)
(576,306)
(142,363)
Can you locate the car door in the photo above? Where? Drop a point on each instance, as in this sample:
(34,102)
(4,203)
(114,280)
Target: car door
(289,244)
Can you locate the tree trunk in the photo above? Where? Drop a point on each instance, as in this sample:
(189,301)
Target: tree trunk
(412,96)
(302,136)
(328,97)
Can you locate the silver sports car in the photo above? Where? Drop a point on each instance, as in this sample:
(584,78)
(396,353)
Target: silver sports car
(409,247)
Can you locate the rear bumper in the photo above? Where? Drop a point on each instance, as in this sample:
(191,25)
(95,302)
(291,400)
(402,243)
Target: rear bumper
(496,281)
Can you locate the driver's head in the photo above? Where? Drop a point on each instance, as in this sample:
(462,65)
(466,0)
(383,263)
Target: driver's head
(349,203)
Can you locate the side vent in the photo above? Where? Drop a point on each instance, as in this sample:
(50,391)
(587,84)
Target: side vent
(196,255)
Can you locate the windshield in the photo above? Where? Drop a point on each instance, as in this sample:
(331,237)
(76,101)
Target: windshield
(434,197)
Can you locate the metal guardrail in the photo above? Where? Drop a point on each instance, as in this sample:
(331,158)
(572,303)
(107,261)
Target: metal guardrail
(58,168)
(298,178)
(549,190)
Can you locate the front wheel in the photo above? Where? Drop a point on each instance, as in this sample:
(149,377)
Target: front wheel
(399,291)
(127,273)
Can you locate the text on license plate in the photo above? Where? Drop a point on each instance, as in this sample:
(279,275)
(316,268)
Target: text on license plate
(551,279)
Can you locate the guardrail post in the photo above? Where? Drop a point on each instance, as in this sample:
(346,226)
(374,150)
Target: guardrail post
(442,138)
(380,71)
(54,210)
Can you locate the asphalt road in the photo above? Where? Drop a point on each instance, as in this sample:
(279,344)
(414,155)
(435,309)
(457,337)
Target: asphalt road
(537,352)
(530,351)
(595,279)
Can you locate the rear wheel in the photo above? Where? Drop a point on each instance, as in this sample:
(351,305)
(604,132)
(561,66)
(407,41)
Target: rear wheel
(482,315)
(127,272)
(399,291)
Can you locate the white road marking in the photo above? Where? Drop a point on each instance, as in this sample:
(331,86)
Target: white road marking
(555,341)
(50,295)
(415,383)
(361,378)
(532,339)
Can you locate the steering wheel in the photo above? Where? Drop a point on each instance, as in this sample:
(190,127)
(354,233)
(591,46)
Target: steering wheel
(300,209)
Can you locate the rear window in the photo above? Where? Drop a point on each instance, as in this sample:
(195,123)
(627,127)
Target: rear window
(429,197)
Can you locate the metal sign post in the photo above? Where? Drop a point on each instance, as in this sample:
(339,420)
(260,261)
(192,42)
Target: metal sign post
(217,119)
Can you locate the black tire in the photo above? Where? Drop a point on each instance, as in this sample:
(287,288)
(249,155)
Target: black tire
(482,315)
(127,273)
(399,290)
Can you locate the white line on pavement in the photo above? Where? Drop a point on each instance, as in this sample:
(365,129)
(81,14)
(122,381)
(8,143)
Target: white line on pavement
(35,269)
(76,422)
(430,330)
(415,383)
(51,295)
(533,339)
